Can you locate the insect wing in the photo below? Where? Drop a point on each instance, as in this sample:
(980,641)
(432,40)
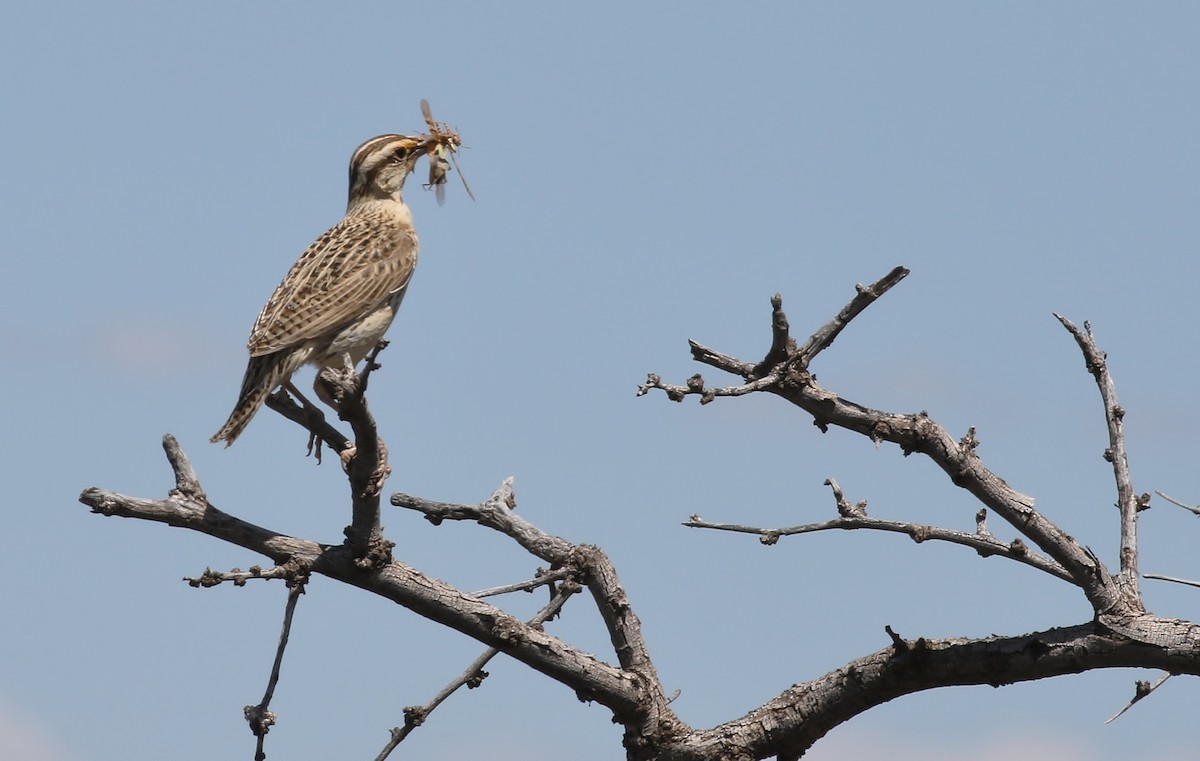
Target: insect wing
(428,114)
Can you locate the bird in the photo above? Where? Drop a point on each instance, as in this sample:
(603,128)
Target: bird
(339,298)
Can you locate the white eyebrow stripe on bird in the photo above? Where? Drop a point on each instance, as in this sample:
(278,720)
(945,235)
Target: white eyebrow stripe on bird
(372,154)
(335,285)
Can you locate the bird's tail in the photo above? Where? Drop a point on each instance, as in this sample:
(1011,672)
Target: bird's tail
(263,375)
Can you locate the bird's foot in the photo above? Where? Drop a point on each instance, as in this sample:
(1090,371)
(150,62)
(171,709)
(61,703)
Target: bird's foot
(382,470)
(347,457)
(315,418)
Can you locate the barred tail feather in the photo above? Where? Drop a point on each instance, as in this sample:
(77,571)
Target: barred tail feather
(263,375)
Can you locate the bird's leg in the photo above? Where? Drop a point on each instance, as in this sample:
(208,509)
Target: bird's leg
(314,414)
(324,394)
(359,383)
(309,407)
(323,391)
(378,476)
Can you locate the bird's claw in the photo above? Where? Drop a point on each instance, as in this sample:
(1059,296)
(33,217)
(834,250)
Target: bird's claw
(384,469)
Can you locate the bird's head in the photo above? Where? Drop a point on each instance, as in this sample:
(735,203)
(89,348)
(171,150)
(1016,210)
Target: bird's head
(379,166)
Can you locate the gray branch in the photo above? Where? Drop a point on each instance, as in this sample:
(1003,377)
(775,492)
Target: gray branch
(1122,635)
(1114,415)
(787,375)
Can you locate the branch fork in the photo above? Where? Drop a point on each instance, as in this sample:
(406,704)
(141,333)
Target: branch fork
(1121,634)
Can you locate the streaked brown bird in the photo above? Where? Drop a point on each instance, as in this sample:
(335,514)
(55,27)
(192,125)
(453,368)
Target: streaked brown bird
(342,293)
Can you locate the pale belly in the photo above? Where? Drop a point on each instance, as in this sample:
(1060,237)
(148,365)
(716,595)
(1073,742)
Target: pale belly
(359,338)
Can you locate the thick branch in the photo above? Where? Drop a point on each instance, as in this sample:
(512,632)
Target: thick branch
(366,463)
(590,678)
(790,723)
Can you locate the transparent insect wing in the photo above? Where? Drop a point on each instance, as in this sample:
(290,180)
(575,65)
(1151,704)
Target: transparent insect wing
(428,114)
(440,154)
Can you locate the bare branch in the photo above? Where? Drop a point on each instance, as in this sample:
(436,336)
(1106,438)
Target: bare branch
(1141,689)
(366,462)
(791,380)
(867,295)
(238,577)
(783,349)
(414,716)
(844,507)
(187,483)
(985,544)
(1174,579)
(260,717)
(435,600)
(540,579)
(498,512)
(695,385)
(793,721)
(782,345)
(1194,510)
(317,426)
(1128,504)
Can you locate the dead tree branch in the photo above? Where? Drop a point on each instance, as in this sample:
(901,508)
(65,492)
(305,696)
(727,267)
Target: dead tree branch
(498,512)
(1122,633)
(1141,689)
(1193,509)
(1127,503)
(260,717)
(414,716)
(785,373)
(397,582)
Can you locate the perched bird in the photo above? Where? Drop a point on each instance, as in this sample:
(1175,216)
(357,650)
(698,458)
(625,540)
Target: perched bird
(341,295)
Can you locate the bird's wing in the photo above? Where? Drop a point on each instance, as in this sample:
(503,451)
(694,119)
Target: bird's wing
(347,273)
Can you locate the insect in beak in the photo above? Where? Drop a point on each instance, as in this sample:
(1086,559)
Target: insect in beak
(443,144)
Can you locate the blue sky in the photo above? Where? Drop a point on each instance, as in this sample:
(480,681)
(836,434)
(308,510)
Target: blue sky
(645,174)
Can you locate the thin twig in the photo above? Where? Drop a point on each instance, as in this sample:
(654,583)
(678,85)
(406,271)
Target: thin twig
(260,717)
(415,716)
(1141,689)
(867,295)
(695,385)
(766,374)
(540,580)
(1175,579)
(1190,508)
(498,512)
(984,544)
